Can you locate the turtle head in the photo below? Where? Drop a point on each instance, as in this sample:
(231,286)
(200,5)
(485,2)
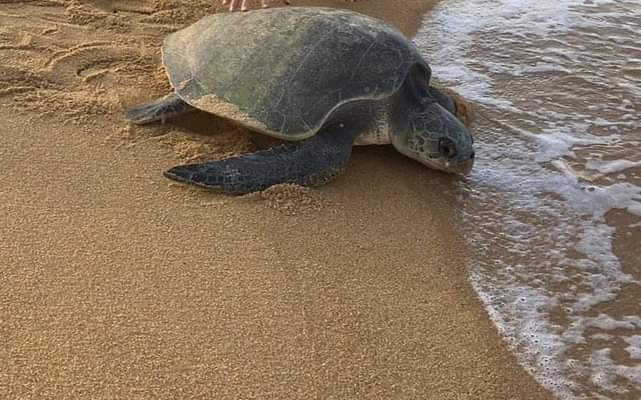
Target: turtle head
(433,136)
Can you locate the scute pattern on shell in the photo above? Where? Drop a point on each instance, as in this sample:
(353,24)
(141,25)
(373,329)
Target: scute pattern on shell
(284,71)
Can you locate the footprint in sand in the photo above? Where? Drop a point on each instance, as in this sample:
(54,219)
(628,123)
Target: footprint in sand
(87,61)
(81,58)
(167,15)
(113,6)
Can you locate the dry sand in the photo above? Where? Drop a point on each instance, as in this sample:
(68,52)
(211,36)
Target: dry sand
(117,283)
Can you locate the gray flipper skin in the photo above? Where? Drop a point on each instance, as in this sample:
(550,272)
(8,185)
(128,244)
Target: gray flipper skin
(159,110)
(443,99)
(312,162)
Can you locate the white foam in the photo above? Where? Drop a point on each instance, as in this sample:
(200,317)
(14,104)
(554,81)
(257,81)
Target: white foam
(535,333)
(634,348)
(520,70)
(633,123)
(634,208)
(559,142)
(609,167)
(596,201)
(608,323)
(606,371)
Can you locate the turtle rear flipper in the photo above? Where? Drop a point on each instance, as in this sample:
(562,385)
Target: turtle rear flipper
(160,110)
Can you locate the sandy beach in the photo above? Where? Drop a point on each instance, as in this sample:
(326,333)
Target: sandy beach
(117,283)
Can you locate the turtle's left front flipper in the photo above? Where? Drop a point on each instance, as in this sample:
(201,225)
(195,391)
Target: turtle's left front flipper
(312,162)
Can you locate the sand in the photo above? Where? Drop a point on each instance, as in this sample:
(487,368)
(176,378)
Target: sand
(117,283)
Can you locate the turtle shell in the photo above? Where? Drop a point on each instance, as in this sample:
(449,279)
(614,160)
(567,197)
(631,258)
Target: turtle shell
(284,71)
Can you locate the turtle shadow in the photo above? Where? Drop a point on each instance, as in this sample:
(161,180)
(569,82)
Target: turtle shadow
(384,166)
(202,123)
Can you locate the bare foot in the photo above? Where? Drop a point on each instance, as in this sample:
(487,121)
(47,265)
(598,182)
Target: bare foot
(246,5)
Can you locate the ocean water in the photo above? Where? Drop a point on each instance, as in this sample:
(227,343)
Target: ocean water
(552,209)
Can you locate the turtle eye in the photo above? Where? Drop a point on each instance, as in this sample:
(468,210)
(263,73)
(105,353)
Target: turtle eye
(447,148)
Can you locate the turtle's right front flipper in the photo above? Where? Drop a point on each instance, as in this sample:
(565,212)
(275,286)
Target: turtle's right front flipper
(312,162)
(160,110)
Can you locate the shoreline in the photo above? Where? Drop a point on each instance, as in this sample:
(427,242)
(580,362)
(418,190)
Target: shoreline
(119,283)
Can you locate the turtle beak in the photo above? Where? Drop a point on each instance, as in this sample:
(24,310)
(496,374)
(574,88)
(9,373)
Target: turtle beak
(462,167)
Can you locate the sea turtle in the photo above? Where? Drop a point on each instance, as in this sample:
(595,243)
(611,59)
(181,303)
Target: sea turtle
(320,79)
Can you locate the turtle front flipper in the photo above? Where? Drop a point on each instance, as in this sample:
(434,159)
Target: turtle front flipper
(454,103)
(160,110)
(312,162)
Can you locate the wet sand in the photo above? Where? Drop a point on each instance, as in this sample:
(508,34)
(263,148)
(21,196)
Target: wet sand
(117,283)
